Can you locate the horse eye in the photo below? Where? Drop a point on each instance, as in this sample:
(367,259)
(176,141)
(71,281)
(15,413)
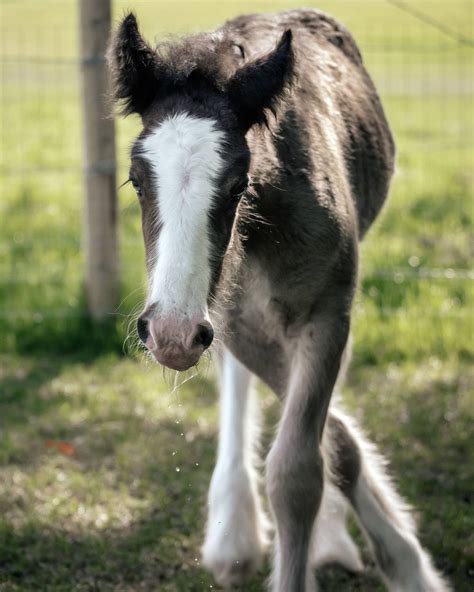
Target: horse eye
(136,186)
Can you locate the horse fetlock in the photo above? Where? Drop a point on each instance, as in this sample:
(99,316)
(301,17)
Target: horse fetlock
(236,537)
(234,555)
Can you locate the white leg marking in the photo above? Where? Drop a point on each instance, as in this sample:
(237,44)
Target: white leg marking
(184,153)
(236,527)
(331,542)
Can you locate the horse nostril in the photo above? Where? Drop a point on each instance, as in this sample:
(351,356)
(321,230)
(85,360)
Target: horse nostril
(204,336)
(142,329)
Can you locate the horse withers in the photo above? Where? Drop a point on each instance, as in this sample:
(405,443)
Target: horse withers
(264,158)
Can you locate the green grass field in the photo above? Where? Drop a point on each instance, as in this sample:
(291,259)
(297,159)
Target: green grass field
(110,510)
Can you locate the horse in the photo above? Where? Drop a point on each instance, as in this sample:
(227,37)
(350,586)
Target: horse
(264,158)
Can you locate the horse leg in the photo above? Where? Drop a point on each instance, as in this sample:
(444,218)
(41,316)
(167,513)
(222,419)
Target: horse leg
(331,541)
(359,472)
(236,527)
(295,472)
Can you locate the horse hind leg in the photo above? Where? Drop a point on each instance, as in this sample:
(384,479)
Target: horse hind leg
(359,473)
(331,541)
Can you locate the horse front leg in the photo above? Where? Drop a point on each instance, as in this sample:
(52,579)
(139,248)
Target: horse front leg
(236,526)
(294,468)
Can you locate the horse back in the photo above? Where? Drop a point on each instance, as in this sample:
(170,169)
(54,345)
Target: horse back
(332,90)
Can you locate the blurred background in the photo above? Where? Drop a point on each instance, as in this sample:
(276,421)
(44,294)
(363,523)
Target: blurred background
(105,460)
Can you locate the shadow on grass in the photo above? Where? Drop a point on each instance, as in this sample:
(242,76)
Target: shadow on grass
(129,559)
(38,557)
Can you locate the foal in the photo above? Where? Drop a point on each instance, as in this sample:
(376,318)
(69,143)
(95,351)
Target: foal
(264,158)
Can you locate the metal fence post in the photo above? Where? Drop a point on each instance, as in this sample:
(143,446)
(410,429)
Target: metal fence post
(100,213)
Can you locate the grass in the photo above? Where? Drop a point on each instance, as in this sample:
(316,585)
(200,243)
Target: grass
(112,512)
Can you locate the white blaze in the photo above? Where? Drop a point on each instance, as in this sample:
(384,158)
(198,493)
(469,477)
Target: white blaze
(184,153)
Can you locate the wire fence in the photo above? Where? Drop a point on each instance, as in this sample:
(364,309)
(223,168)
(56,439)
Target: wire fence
(421,61)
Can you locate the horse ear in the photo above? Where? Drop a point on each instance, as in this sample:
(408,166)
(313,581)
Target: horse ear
(259,85)
(136,68)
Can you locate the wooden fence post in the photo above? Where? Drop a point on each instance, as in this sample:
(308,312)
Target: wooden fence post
(100,216)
